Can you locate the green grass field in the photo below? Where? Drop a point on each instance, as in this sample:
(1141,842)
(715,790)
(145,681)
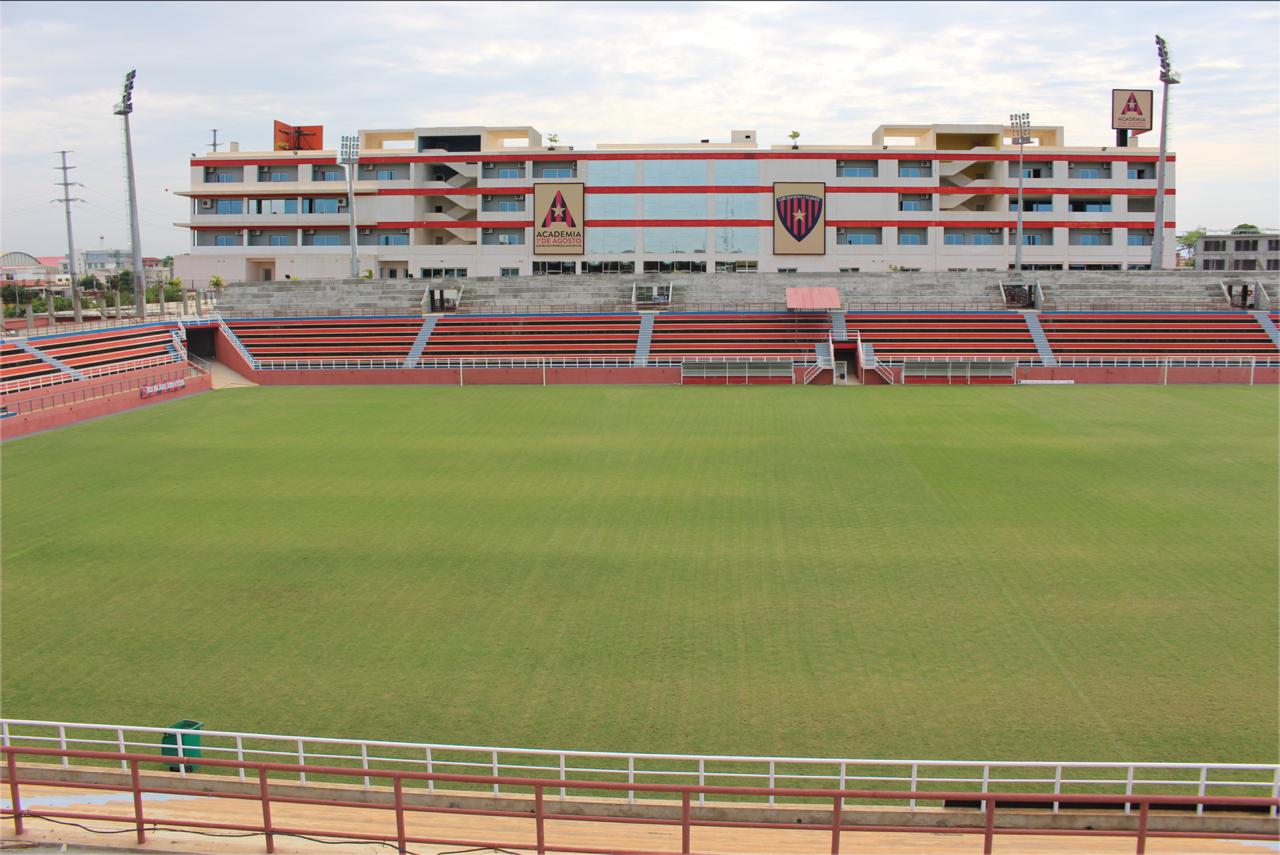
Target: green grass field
(1007,573)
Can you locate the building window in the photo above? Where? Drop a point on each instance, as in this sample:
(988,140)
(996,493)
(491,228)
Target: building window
(509,206)
(558,172)
(279,176)
(915,170)
(554,268)
(1089,172)
(329,175)
(1139,240)
(444,273)
(953,240)
(507,272)
(1273,246)
(1090,240)
(914,203)
(1035,172)
(511,238)
(326,240)
(787,269)
(910,239)
(858,237)
(1032,240)
(319,206)
(1031,205)
(1140,173)
(615,267)
(1244,264)
(386,175)
(224,178)
(1246,246)
(274,206)
(229,206)
(1273,263)
(850,269)
(1215,246)
(856,172)
(280,240)
(739,240)
(1090,207)
(511,172)
(675,267)
(737,267)
(1214,264)
(226,240)
(393,240)
(982,240)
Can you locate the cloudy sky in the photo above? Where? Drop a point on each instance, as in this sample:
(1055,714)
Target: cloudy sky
(608,72)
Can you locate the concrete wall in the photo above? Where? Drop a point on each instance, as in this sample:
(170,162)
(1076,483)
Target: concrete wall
(29,423)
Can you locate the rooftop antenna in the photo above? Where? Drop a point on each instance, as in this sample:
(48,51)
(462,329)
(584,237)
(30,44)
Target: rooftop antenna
(214,145)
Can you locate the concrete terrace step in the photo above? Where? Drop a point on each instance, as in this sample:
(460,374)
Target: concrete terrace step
(644,340)
(1269,325)
(1042,341)
(420,341)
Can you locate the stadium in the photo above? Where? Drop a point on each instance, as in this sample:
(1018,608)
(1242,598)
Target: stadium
(974,536)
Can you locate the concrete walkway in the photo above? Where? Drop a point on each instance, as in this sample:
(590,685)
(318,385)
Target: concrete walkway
(225,378)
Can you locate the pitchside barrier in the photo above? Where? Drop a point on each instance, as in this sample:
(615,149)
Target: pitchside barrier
(1152,370)
(932,782)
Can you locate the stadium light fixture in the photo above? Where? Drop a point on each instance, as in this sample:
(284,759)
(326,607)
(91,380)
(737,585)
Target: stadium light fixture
(124,109)
(349,156)
(1168,77)
(1021,124)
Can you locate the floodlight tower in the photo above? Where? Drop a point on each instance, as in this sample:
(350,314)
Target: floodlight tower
(1168,77)
(1021,123)
(350,156)
(123,109)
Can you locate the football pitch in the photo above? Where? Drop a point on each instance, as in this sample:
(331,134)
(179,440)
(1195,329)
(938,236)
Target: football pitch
(1070,573)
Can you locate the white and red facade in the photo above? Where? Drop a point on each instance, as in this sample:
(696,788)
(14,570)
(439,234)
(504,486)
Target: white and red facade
(435,202)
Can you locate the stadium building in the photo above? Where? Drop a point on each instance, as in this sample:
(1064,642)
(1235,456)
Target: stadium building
(501,201)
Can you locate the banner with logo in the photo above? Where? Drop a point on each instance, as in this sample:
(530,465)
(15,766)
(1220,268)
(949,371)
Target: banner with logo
(557,219)
(1131,109)
(799,218)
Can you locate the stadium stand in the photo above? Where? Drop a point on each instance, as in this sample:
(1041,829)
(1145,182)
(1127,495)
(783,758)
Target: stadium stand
(524,336)
(308,339)
(113,351)
(1088,334)
(949,334)
(770,335)
(22,369)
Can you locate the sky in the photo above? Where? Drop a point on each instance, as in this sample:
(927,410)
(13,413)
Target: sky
(607,72)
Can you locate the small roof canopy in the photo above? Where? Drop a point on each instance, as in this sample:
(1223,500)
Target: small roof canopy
(812,299)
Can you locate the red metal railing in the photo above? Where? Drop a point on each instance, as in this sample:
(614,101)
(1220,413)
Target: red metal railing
(541,816)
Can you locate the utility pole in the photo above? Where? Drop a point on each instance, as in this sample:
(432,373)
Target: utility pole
(1021,135)
(214,145)
(66,184)
(1168,77)
(124,108)
(350,157)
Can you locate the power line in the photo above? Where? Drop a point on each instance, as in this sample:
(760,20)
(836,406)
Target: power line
(66,184)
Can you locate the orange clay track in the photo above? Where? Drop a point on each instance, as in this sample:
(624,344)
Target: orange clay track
(582,834)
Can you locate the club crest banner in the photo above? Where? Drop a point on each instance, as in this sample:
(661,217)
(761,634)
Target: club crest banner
(557,219)
(799,218)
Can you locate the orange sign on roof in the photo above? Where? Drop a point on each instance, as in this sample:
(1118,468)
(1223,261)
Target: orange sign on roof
(298,137)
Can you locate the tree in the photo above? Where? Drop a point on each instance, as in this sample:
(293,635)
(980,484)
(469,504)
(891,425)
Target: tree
(167,261)
(1246,229)
(215,281)
(88,282)
(795,135)
(1187,242)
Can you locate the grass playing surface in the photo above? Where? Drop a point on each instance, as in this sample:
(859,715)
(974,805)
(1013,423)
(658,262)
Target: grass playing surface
(1016,573)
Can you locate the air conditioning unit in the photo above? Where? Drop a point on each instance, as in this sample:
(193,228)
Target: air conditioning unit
(206,203)
(488,198)
(308,231)
(519,197)
(994,231)
(487,231)
(209,170)
(366,231)
(491,166)
(342,203)
(366,167)
(255,232)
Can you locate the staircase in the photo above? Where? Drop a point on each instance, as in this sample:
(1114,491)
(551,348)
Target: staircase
(239,345)
(1269,325)
(424,334)
(644,340)
(839,329)
(1042,341)
(869,360)
(46,358)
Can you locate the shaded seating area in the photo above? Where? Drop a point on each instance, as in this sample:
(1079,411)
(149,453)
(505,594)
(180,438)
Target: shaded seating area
(1147,334)
(769,335)
(533,336)
(944,334)
(292,339)
(112,351)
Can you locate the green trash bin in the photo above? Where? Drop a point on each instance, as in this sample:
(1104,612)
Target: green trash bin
(190,743)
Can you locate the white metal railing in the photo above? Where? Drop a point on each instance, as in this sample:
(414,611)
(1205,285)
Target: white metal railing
(92,373)
(1053,777)
(1180,361)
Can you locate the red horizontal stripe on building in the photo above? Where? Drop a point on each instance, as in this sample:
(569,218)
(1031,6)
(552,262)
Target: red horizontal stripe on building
(272,228)
(456,224)
(676,224)
(453,191)
(494,157)
(700,188)
(996,224)
(1004,191)
(253,195)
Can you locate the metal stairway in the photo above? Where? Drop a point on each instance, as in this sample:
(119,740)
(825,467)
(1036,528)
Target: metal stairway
(839,329)
(644,340)
(46,358)
(1269,325)
(424,335)
(1047,357)
(237,343)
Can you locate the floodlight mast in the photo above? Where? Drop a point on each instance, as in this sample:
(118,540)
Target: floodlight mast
(350,157)
(1168,77)
(123,109)
(1021,123)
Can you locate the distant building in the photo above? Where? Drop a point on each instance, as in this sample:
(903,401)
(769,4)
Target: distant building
(104,263)
(1238,252)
